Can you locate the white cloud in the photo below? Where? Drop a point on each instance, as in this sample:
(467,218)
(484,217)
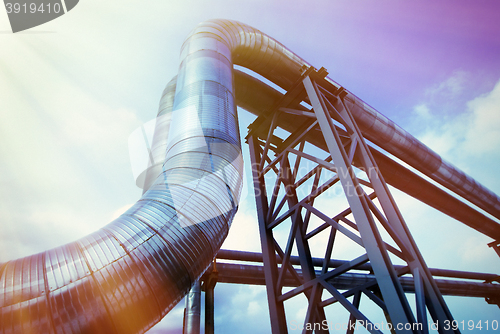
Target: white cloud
(451,87)
(244,232)
(470,140)
(483,135)
(471,131)
(254,308)
(422,111)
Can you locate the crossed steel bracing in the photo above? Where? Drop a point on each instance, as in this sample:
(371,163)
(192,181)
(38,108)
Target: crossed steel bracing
(286,196)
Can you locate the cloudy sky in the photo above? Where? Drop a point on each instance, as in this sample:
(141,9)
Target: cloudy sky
(74,89)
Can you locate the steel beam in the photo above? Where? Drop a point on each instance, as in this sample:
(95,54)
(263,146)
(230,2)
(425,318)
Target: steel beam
(210,279)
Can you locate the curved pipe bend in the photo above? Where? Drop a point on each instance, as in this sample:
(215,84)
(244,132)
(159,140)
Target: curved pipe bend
(126,276)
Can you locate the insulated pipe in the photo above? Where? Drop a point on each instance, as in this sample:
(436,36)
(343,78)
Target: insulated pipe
(193,310)
(126,276)
(160,137)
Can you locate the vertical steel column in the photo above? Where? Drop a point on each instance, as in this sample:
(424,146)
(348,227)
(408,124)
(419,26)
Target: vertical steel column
(209,311)
(193,310)
(276,308)
(209,282)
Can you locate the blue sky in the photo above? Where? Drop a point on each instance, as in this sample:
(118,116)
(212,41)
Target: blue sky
(74,89)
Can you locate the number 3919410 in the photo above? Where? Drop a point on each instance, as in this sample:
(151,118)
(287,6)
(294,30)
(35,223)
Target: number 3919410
(32,8)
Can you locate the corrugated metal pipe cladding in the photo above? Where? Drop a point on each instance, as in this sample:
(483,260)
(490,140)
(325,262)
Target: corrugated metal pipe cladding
(126,276)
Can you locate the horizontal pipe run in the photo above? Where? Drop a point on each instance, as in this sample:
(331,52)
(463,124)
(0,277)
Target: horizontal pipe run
(254,275)
(225,254)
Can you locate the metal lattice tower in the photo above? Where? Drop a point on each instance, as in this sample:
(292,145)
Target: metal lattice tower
(371,207)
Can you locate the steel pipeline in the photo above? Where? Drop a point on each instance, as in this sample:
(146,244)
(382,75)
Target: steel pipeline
(126,276)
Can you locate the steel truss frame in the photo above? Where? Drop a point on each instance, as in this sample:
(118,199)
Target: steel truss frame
(371,210)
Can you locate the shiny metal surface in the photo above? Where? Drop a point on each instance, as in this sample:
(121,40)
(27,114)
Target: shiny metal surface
(192,312)
(126,276)
(160,137)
